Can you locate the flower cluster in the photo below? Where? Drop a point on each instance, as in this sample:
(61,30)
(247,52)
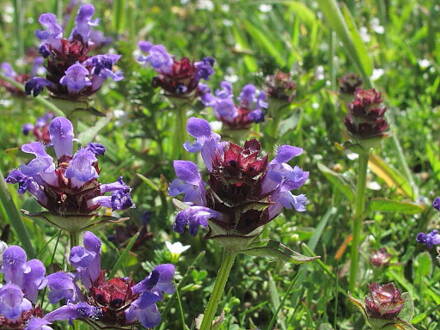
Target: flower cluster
(71,73)
(41,128)
(178,78)
(70,186)
(244,190)
(281,87)
(383,301)
(249,109)
(366,115)
(119,301)
(18,296)
(349,83)
(430,239)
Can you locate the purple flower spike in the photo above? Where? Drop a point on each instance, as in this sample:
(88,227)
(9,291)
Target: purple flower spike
(436,203)
(76,78)
(83,22)
(430,239)
(61,286)
(61,135)
(12,302)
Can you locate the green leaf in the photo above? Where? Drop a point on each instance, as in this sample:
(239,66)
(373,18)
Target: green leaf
(407,312)
(90,133)
(349,36)
(249,60)
(279,251)
(387,205)
(275,298)
(360,306)
(303,13)
(391,177)
(264,41)
(337,181)
(422,266)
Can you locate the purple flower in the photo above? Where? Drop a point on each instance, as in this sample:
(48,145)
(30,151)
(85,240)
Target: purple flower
(114,302)
(71,187)
(429,239)
(244,190)
(436,203)
(178,78)
(7,70)
(248,110)
(70,72)
(76,78)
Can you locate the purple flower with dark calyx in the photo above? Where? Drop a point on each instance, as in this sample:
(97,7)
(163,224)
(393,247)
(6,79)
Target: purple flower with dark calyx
(71,186)
(250,108)
(436,203)
(178,78)
(243,190)
(110,302)
(430,239)
(70,72)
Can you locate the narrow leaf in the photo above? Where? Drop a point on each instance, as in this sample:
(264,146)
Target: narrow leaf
(90,133)
(387,205)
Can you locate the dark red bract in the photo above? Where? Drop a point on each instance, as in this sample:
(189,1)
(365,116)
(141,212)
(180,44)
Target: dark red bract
(384,301)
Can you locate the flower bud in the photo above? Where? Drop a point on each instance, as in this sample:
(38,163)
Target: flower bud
(380,258)
(280,87)
(383,301)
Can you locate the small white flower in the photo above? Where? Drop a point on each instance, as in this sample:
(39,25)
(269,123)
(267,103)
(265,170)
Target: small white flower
(375,25)
(363,31)
(424,63)
(264,8)
(177,248)
(377,73)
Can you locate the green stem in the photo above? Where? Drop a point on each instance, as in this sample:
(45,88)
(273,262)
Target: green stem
(39,98)
(74,238)
(15,218)
(219,287)
(179,135)
(358,217)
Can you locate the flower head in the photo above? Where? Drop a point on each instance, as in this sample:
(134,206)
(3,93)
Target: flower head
(69,185)
(366,115)
(178,78)
(349,83)
(280,87)
(243,191)
(250,108)
(380,258)
(71,73)
(115,301)
(430,239)
(383,301)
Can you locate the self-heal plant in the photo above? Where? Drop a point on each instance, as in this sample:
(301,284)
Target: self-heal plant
(180,82)
(366,126)
(68,187)
(72,74)
(120,301)
(235,116)
(243,192)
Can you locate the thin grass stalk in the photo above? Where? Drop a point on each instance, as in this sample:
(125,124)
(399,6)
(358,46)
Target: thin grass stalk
(18,27)
(14,218)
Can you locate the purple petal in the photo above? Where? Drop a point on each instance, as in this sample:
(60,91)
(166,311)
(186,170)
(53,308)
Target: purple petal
(76,78)
(35,85)
(52,29)
(97,148)
(92,242)
(70,312)
(38,323)
(83,22)
(197,127)
(7,70)
(12,302)
(34,279)
(26,128)
(187,171)
(115,186)
(148,316)
(61,286)
(81,168)
(13,266)
(257,116)
(436,203)
(158,57)
(195,217)
(286,152)
(61,136)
